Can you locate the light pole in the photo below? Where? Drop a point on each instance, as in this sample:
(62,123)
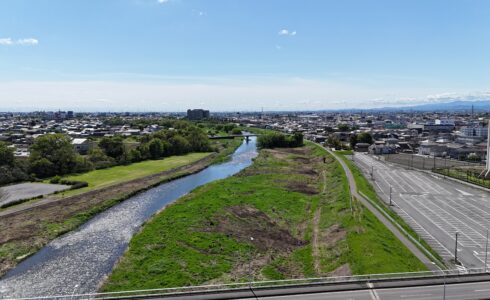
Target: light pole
(456,249)
(372,172)
(486,253)
(390,196)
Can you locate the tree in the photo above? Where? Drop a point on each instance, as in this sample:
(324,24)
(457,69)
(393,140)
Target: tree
(112,146)
(54,153)
(365,137)
(99,159)
(353,141)
(6,155)
(179,145)
(155,147)
(334,142)
(343,127)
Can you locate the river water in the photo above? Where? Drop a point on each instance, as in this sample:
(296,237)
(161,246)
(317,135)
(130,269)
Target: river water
(78,261)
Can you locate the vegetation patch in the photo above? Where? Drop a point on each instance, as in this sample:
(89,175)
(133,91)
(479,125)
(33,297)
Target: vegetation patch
(251,226)
(25,232)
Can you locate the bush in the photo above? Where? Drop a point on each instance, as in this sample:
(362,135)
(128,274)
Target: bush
(236,131)
(74,184)
(56,179)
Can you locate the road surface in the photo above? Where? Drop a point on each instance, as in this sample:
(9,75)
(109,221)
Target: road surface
(435,208)
(409,244)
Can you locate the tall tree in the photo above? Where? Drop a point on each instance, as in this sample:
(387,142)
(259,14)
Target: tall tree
(6,155)
(52,154)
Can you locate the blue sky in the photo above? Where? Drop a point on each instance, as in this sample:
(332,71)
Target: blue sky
(151,55)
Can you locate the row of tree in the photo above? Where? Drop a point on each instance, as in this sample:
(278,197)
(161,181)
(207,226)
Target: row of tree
(53,154)
(279,140)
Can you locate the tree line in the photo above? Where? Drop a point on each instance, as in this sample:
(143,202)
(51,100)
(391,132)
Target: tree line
(280,140)
(53,154)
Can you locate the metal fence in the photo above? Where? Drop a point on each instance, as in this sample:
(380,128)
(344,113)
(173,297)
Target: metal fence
(467,175)
(428,163)
(260,285)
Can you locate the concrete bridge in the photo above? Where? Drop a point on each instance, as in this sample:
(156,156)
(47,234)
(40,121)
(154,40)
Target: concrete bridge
(232,136)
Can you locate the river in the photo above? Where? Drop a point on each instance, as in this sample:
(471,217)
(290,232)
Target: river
(78,261)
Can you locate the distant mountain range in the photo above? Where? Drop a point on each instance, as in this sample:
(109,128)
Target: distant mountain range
(455,106)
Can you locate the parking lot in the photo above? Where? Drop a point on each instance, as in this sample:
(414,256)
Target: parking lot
(15,192)
(435,207)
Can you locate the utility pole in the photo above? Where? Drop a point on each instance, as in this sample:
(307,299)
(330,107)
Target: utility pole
(486,253)
(456,249)
(390,196)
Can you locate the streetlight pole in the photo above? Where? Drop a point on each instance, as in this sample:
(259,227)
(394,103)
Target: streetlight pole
(486,253)
(456,249)
(372,172)
(390,196)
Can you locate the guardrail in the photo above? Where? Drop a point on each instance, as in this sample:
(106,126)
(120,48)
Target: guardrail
(271,284)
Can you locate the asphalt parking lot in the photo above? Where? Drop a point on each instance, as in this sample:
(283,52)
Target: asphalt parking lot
(14,192)
(436,208)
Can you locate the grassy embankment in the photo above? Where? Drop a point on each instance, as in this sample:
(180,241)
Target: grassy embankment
(105,177)
(225,148)
(365,187)
(294,206)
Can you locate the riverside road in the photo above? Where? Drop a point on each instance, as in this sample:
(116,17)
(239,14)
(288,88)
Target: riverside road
(436,208)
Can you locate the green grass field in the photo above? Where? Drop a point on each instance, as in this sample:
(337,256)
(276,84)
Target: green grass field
(105,177)
(294,206)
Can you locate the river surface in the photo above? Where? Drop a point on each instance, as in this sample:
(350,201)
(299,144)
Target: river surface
(77,262)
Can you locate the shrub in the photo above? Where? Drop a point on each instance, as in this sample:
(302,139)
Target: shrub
(56,179)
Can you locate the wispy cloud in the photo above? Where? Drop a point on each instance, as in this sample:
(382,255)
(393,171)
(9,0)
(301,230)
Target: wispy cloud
(22,42)
(199,13)
(163,1)
(6,41)
(287,32)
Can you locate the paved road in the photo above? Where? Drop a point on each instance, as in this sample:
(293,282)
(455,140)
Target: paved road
(435,208)
(409,244)
(480,290)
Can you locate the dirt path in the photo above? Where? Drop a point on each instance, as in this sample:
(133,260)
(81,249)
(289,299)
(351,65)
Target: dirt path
(315,244)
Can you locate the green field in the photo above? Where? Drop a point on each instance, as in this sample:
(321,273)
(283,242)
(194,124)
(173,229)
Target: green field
(296,209)
(105,177)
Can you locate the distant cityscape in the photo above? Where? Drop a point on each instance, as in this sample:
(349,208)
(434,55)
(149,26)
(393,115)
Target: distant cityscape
(454,135)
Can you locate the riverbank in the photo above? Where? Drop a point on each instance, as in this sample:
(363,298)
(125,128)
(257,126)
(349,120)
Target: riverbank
(287,216)
(27,228)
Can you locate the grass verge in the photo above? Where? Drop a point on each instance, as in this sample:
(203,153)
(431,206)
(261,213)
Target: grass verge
(295,207)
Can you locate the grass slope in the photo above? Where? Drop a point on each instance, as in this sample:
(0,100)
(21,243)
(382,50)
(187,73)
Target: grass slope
(294,206)
(105,177)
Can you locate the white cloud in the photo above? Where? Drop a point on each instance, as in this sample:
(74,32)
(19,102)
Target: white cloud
(287,32)
(29,41)
(6,41)
(163,1)
(22,42)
